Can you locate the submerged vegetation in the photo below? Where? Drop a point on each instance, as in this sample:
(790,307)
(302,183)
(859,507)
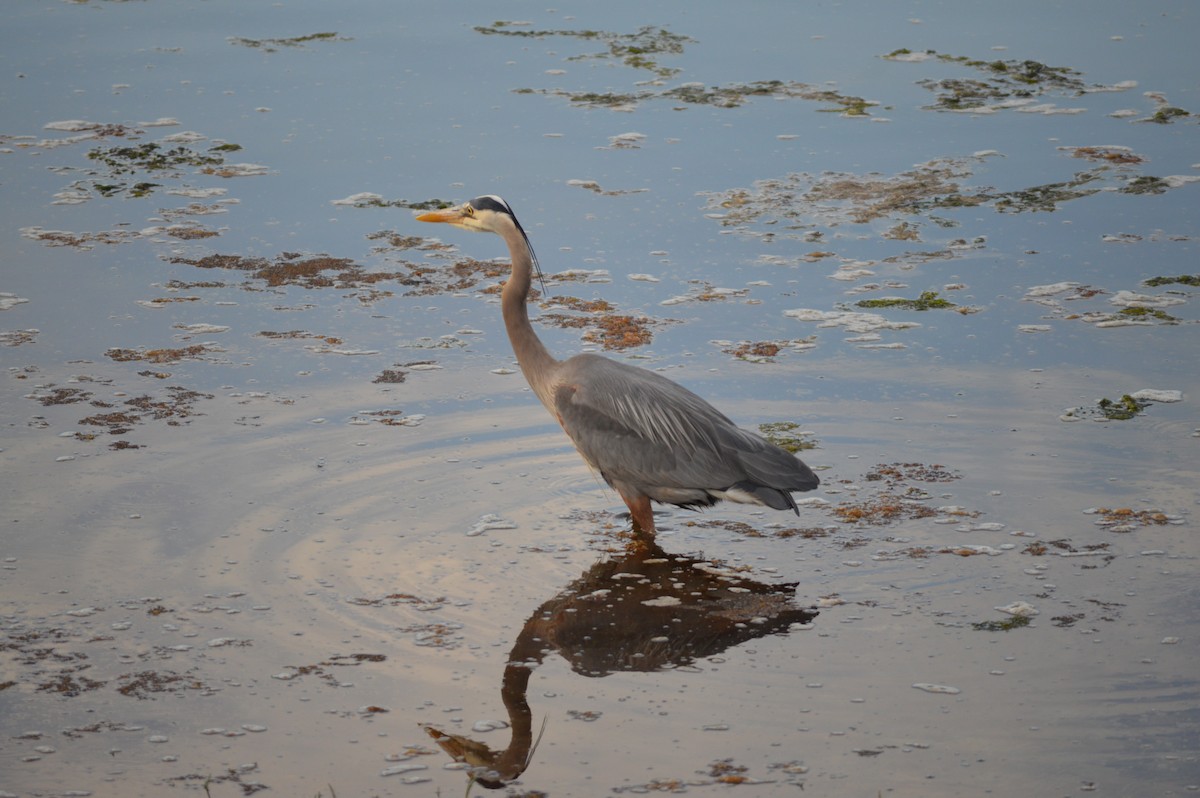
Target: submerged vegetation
(732,95)
(368,200)
(151,157)
(788,435)
(802,201)
(928,300)
(638,50)
(1000,80)
(735,94)
(611,331)
(1128,406)
(273,45)
(643,50)
(163,160)
(1006,625)
(1122,409)
(1183,279)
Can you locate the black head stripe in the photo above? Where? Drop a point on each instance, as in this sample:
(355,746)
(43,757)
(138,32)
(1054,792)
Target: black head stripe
(490,202)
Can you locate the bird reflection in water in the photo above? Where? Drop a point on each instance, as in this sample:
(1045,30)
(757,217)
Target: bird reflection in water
(644,611)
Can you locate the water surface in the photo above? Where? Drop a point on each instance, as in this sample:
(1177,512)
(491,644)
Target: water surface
(277,500)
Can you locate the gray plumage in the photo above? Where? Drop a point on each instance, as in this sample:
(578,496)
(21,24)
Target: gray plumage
(650,438)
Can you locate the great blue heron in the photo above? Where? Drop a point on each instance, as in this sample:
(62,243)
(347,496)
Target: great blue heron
(650,438)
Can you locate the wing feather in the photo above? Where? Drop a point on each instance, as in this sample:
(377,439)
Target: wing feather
(641,429)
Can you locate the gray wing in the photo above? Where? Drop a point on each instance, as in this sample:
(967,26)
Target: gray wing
(641,429)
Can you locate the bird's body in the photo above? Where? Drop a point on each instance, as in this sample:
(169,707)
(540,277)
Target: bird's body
(650,438)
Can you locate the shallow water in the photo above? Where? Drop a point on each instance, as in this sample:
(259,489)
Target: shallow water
(242,552)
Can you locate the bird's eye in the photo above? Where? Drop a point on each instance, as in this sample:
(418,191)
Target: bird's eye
(468,210)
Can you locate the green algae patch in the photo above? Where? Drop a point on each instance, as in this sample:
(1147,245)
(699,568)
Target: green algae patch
(1047,197)
(320,271)
(1145,184)
(1167,114)
(160,161)
(994,83)
(644,50)
(1006,625)
(1123,409)
(736,94)
(787,435)
(1146,314)
(368,200)
(732,95)
(802,201)
(591,99)
(1183,279)
(928,300)
(151,157)
(638,50)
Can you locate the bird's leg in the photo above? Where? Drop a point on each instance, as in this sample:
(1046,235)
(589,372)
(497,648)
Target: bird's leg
(641,514)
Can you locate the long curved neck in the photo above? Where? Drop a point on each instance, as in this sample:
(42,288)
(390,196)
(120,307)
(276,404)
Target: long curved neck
(535,360)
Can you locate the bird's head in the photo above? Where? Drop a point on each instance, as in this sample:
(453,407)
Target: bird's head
(486,214)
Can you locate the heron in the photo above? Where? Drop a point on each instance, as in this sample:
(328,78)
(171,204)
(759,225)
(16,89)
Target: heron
(649,438)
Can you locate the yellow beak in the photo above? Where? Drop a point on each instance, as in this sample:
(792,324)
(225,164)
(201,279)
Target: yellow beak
(448,215)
